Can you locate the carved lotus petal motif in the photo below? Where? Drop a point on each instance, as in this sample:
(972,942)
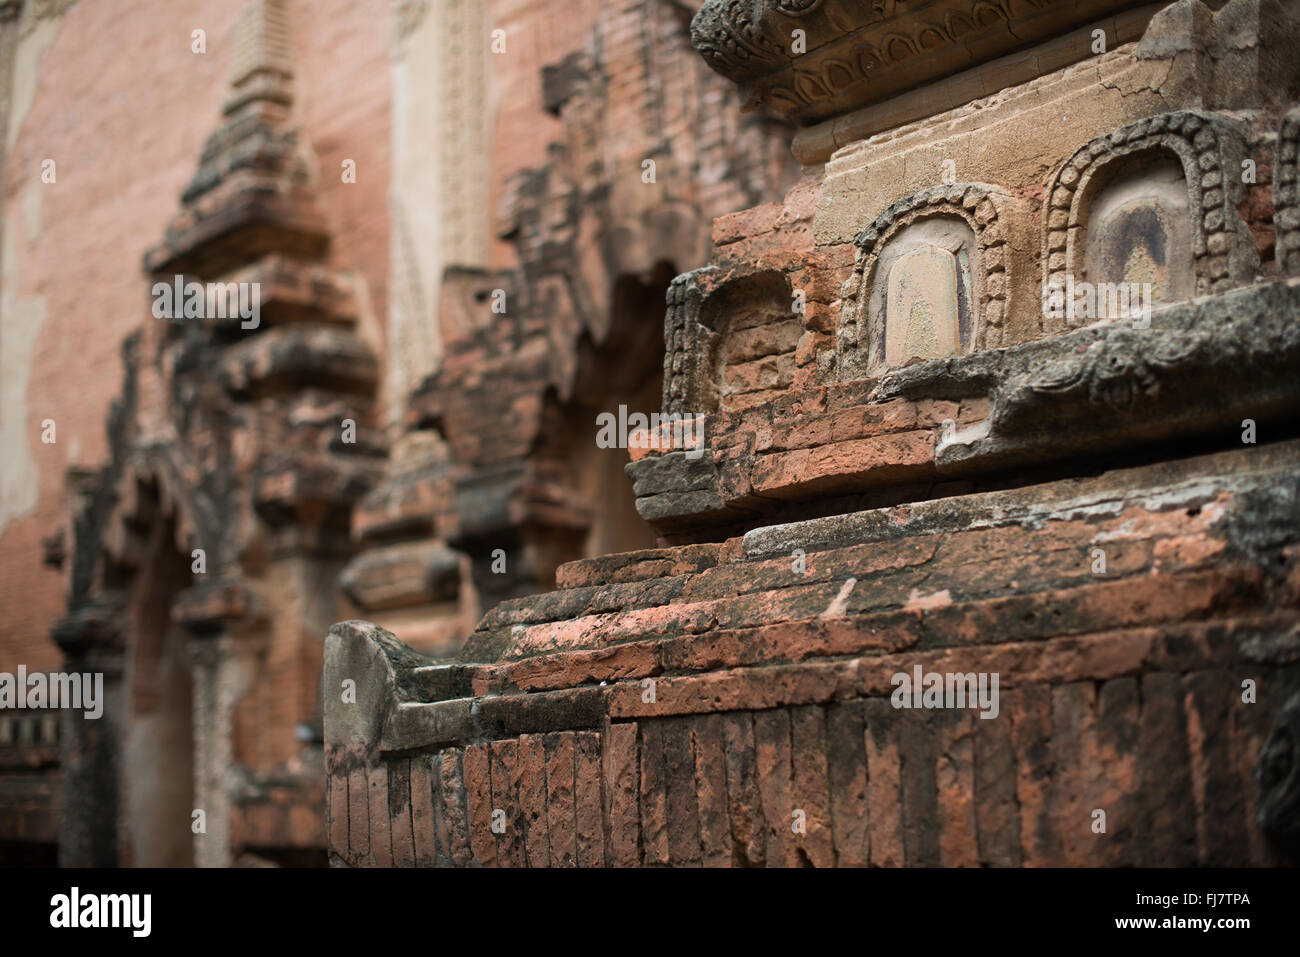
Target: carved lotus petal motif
(1175,350)
(1110,376)
(797,8)
(730,35)
(1117,369)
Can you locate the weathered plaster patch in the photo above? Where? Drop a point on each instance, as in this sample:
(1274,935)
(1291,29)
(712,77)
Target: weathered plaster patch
(435,200)
(918,602)
(20,324)
(30,201)
(38,36)
(837,607)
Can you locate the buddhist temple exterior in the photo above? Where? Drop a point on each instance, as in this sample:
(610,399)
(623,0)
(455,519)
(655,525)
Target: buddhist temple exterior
(985,550)
(460,259)
(653,433)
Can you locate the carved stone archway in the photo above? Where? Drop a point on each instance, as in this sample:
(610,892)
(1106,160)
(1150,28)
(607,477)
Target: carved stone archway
(249,441)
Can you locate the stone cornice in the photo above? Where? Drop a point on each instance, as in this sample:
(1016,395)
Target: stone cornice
(855,54)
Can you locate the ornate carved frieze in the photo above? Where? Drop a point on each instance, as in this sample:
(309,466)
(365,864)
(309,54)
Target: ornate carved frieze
(1114,384)
(811,59)
(1117,370)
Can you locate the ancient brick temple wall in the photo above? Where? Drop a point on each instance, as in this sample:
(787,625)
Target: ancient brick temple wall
(468,161)
(63,338)
(606,178)
(895,457)
(862,494)
(71,291)
(692,705)
(72,282)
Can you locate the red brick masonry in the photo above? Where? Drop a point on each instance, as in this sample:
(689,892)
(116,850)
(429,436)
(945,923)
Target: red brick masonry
(1120,691)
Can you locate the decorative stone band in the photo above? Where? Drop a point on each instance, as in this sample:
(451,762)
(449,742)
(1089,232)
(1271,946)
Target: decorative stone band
(1209,147)
(1286,194)
(858,344)
(851,54)
(1107,387)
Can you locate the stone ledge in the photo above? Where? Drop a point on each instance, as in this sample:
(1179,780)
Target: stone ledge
(1107,386)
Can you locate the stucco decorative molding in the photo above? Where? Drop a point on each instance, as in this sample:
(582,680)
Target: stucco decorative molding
(1206,147)
(1286,193)
(735,40)
(851,54)
(1118,370)
(858,342)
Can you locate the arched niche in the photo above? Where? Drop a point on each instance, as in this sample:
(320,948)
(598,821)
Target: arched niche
(730,340)
(929,281)
(145,559)
(923,302)
(1139,231)
(1155,201)
(621,376)
(748,334)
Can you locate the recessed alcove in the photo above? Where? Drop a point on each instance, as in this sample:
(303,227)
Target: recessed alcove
(1137,230)
(922,303)
(748,334)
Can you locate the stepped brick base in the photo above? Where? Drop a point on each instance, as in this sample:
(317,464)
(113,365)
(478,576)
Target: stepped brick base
(733,703)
